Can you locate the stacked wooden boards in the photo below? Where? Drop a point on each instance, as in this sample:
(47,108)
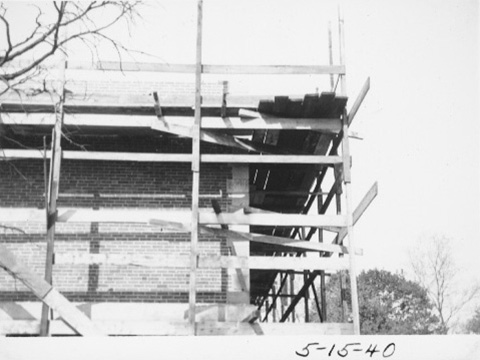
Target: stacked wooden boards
(284,188)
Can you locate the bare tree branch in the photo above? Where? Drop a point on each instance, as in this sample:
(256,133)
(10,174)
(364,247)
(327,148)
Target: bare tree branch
(12,228)
(435,270)
(83,20)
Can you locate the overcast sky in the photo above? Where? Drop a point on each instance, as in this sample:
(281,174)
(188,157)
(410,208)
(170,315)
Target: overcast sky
(420,121)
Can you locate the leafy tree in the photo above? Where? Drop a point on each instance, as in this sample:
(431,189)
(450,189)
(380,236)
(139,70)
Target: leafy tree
(473,325)
(388,304)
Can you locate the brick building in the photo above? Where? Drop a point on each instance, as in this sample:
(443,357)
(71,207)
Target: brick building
(166,206)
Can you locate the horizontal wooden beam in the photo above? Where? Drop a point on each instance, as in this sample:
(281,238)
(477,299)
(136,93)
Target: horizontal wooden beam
(136,311)
(159,328)
(146,216)
(206,261)
(133,105)
(274,329)
(57,327)
(271,159)
(274,219)
(205,135)
(323,124)
(11,154)
(208,122)
(209,69)
(281,241)
(260,238)
(273,263)
(47,294)
(214,137)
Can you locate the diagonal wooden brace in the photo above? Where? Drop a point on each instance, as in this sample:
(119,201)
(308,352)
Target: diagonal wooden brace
(241,278)
(357,214)
(73,317)
(358,101)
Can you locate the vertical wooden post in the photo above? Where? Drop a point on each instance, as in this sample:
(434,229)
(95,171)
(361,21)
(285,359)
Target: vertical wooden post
(315,296)
(330,55)
(196,170)
(338,204)
(323,293)
(224,99)
(283,291)
(341,42)
(267,304)
(307,308)
(347,182)
(274,302)
(292,293)
(52,195)
(349,214)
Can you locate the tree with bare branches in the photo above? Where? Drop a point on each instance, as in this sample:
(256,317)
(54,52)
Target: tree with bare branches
(434,268)
(31,33)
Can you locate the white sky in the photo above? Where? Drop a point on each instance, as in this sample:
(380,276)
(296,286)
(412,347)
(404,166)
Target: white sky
(420,120)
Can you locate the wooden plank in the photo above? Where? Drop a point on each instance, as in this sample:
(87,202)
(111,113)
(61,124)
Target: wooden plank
(359,210)
(196,136)
(204,135)
(358,101)
(280,241)
(231,246)
(53,189)
(11,154)
(138,311)
(126,328)
(365,202)
(299,295)
(309,105)
(226,312)
(209,69)
(330,54)
(74,215)
(159,328)
(147,261)
(274,219)
(265,106)
(275,329)
(350,223)
(332,125)
(341,52)
(195,133)
(271,159)
(205,261)
(271,263)
(280,105)
(295,108)
(16,268)
(47,294)
(139,106)
(276,294)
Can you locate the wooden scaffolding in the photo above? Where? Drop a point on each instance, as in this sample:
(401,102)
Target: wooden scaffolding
(312,133)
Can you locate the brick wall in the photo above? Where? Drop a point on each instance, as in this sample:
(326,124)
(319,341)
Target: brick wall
(99,184)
